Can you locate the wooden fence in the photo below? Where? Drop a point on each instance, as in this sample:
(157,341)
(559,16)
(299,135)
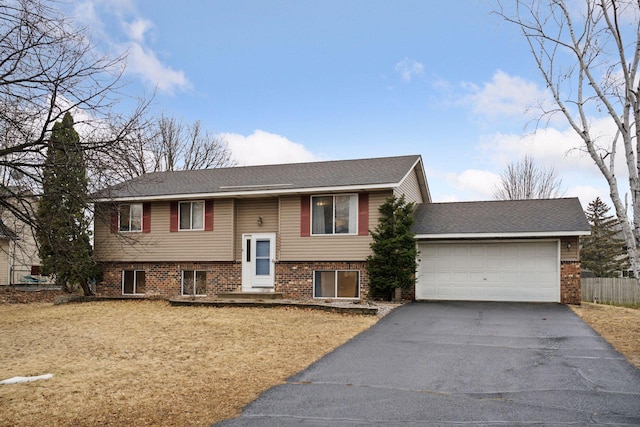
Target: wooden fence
(611,290)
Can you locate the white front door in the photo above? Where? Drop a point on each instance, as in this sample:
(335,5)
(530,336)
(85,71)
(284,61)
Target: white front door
(258,262)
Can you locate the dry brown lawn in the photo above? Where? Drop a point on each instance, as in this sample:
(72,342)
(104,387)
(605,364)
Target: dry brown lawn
(146,363)
(620,326)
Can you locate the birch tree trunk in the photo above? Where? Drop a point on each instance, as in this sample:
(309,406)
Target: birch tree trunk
(588,54)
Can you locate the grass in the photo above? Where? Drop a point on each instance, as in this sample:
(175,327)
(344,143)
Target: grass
(620,326)
(146,363)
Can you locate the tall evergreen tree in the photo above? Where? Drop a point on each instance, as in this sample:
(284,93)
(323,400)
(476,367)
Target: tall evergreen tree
(63,231)
(603,252)
(393,262)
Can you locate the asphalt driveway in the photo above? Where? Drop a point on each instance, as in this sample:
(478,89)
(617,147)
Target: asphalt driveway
(461,363)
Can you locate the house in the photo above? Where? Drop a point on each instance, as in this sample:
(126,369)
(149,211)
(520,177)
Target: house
(19,260)
(302,230)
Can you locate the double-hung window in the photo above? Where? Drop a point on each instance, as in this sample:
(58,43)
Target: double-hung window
(191,215)
(336,284)
(194,282)
(130,217)
(133,282)
(336,214)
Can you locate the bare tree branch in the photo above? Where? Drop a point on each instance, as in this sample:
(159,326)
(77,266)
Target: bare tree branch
(588,54)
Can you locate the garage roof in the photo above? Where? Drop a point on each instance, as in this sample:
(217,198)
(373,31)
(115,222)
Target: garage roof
(501,218)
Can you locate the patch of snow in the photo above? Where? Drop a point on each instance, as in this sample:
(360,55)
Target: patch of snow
(17,380)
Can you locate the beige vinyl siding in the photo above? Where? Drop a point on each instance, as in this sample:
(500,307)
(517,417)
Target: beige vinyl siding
(247,213)
(572,253)
(163,245)
(293,247)
(4,262)
(410,188)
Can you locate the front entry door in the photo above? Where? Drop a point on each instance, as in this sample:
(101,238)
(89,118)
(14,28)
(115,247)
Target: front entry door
(258,262)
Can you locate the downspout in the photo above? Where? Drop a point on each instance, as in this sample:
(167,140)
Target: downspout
(10,261)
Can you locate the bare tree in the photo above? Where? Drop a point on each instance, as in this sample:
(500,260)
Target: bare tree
(48,68)
(167,144)
(526,180)
(588,55)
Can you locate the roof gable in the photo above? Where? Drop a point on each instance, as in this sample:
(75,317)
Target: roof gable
(501,218)
(386,172)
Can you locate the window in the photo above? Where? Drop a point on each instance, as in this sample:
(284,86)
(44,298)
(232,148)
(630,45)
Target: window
(194,282)
(334,214)
(336,284)
(191,215)
(130,217)
(133,282)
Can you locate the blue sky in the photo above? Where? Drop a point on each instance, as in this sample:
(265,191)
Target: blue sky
(301,80)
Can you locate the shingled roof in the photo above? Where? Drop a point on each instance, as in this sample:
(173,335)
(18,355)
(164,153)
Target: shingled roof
(385,172)
(504,218)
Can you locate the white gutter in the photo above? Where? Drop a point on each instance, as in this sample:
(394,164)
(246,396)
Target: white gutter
(501,235)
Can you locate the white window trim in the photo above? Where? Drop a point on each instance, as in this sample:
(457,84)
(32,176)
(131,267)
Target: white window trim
(135,281)
(195,272)
(130,221)
(191,202)
(335,284)
(357,215)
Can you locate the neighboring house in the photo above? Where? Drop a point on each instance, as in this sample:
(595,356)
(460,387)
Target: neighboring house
(7,237)
(302,230)
(19,260)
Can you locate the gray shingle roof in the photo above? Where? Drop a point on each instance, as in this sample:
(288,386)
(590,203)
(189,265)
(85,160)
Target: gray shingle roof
(501,217)
(385,171)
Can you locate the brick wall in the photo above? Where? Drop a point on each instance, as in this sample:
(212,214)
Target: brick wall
(164,280)
(570,286)
(295,279)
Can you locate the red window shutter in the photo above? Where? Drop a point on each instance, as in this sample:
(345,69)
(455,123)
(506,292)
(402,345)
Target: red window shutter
(173,216)
(305,216)
(114,219)
(208,215)
(146,217)
(363,214)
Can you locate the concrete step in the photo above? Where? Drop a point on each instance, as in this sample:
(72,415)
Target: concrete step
(249,295)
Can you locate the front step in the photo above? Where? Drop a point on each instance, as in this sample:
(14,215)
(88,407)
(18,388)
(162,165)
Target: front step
(250,295)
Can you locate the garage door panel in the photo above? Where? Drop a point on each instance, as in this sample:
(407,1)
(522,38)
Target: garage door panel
(489,271)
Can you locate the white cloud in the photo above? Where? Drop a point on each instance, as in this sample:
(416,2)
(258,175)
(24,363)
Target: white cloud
(587,194)
(142,60)
(476,183)
(562,149)
(264,148)
(408,69)
(506,95)
(137,28)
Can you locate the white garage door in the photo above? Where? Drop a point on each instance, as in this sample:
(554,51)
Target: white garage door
(489,271)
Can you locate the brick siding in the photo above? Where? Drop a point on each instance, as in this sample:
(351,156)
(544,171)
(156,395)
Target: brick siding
(163,279)
(295,279)
(570,285)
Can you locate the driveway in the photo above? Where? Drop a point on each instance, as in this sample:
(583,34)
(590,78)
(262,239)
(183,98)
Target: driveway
(461,363)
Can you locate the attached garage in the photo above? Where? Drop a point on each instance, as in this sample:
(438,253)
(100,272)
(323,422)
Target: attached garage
(489,271)
(513,250)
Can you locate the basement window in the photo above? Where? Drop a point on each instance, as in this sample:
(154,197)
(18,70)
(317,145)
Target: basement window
(336,284)
(133,282)
(194,282)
